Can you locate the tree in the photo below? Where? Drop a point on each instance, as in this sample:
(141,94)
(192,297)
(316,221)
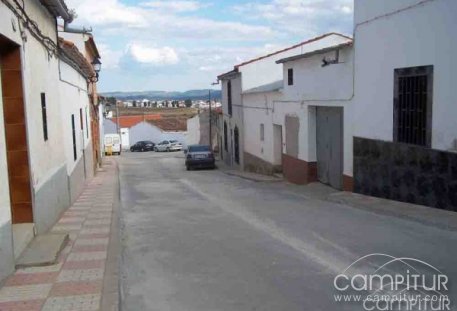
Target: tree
(111,101)
(188,103)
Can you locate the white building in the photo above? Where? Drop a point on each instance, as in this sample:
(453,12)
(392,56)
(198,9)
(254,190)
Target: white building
(36,104)
(405,112)
(33,178)
(75,71)
(244,103)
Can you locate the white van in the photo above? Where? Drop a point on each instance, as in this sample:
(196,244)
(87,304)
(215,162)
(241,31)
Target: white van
(113,144)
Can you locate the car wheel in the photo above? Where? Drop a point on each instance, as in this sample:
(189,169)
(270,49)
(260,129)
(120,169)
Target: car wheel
(188,167)
(168,149)
(156,150)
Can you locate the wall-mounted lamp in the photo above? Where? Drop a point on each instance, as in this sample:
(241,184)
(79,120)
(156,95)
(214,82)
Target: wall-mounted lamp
(97,65)
(328,61)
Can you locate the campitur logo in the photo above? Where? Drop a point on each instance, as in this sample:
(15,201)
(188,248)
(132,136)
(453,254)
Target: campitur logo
(384,282)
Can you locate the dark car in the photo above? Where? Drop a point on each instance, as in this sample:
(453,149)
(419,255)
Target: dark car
(199,156)
(143,146)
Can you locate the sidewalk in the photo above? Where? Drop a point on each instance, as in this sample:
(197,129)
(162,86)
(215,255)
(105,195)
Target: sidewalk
(429,216)
(84,269)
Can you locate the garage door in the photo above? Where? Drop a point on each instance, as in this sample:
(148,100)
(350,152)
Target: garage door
(329,141)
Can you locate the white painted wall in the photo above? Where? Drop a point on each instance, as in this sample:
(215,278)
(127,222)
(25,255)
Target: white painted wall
(314,82)
(45,157)
(125,138)
(258,109)
(101,118)
(266,71)
(423,35)
(193,131)
(235,120)
(73,97)
(314,86)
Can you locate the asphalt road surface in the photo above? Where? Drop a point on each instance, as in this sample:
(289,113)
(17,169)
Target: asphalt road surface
(206,241)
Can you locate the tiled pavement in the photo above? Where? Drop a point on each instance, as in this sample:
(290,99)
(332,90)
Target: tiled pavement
(76,282)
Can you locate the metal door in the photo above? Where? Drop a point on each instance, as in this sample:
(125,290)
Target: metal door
(329,141)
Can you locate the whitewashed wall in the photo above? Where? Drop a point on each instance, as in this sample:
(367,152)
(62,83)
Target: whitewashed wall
(193,131)
(235,120)
(266,71)
(40,74)
(73,97)
(314,85)
(258,109)
(422,35)
(45,157)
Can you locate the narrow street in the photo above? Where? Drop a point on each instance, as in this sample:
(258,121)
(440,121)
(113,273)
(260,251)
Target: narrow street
(204,240)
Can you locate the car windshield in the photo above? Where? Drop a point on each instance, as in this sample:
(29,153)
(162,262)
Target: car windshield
(199,148)
(173,141)
(148,142)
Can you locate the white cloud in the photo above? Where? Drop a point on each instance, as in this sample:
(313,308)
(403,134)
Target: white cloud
(110,59)
(161,20)
(306,17)
(175,6)
(108,13)
(145,54)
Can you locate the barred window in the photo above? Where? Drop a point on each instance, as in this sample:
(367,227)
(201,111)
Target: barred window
(413,96)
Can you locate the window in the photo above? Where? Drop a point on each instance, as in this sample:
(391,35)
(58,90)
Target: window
(237,145)
(229,96)
(290,76)
(413,95)
(81,119)
(225,137)
(75,154)
(199,149)
(262,132)
(87,125)
(44,116)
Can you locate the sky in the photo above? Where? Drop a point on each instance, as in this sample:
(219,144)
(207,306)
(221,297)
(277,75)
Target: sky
(183,45)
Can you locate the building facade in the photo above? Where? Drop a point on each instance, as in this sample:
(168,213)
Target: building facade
(405,125)
(265,124)
(316,115)
(75,99)
(85,43)
(36,101)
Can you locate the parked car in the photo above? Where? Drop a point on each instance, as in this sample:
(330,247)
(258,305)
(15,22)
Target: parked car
(143,146)
(199,156)
(168,145)
(177,145)
(113,144)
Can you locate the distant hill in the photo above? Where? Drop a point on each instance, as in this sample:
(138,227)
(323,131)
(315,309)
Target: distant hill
(161,95)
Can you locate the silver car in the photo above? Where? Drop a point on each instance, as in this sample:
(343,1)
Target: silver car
(168,146)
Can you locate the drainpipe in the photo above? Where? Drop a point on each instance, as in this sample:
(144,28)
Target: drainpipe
(83,30)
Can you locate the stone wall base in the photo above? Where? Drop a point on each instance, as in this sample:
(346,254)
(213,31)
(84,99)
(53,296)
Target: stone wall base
(406,173)
(255,164)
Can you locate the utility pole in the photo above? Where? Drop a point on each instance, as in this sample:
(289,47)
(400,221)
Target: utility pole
(210,126)
(117,119)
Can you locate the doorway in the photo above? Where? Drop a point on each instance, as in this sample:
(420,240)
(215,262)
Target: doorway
(329,143)
(277,144)
(15,132)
